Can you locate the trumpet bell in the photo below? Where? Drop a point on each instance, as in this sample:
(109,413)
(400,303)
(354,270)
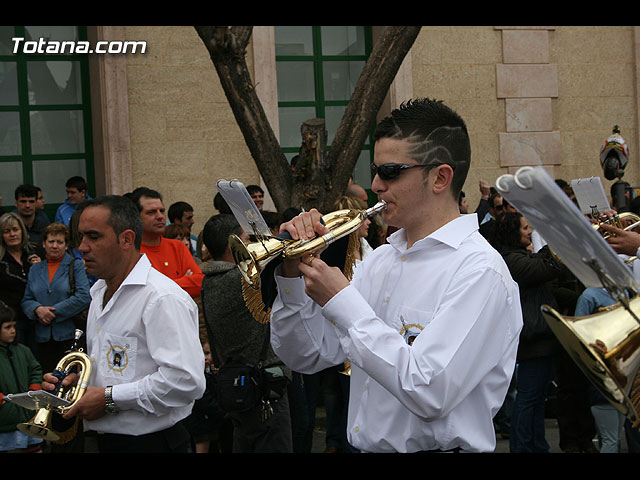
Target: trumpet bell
(605,346)
(40,426)
(251,258)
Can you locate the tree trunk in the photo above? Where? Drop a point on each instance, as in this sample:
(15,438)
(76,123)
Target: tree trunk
(320,178)
(227,49)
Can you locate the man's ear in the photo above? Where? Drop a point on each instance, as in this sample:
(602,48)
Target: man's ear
(127,239)
(443,177)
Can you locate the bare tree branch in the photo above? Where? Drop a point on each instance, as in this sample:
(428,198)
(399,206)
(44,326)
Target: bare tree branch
(324,177)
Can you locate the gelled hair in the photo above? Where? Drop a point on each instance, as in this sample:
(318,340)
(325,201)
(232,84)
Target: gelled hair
(435,133)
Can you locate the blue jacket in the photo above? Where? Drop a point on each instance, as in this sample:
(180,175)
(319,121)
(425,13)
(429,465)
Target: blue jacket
(56,294)
(64,212)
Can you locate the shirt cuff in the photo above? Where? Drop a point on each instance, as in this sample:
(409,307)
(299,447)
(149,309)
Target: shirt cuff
(124,395)
(292,290)
(346,307)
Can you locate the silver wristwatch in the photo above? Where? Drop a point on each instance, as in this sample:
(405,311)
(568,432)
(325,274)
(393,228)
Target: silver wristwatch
(109,405)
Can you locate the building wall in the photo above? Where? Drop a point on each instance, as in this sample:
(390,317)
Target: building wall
(534,95)
(183,134)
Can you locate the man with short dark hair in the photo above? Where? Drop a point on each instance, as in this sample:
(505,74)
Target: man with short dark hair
(257,195)
(236,334)
(181,213)
(169,256)
(26,206)
(142,334)
(76,188)
(430,321)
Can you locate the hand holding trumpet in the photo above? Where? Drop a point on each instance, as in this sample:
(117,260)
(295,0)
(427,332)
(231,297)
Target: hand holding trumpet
(322,281)
(622,241)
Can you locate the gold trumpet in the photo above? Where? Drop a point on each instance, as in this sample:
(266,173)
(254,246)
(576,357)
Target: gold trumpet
(623,220)
(251,258)
(40,425)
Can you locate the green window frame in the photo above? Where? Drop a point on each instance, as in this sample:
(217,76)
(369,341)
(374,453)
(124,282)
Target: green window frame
(308,56)
(45,123)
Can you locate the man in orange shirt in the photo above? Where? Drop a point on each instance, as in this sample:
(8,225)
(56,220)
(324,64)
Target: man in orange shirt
(168,256)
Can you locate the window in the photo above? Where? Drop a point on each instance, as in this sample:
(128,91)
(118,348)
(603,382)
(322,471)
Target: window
(45,117)
(318,68)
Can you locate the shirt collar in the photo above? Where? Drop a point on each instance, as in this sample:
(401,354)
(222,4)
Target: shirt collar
(452,233)
(140,272)
(137,276)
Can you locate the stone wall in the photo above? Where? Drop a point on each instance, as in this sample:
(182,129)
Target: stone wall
(183,134)
(539,95)
(546,95)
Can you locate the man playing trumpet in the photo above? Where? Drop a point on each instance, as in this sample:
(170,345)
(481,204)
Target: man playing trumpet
(430,321)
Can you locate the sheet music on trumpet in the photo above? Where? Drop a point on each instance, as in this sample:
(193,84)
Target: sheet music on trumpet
(564,227)
(590,194)
(249,217)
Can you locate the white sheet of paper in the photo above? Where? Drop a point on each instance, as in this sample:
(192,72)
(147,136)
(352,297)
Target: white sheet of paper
(36,399)
(590,194)
(244,209)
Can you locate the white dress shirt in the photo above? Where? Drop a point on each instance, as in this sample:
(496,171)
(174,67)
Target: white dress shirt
(431,333)
(145,343)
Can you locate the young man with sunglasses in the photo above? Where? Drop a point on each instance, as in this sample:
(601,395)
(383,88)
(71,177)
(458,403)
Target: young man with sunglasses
(430,321)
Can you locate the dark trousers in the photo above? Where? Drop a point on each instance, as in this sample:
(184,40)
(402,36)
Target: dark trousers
(174,439)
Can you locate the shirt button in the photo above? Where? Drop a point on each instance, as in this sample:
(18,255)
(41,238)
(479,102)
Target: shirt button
(388,299)
(286,290)
(357,429)
(403,258)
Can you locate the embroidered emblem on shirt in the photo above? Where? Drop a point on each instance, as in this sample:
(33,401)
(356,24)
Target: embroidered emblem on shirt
(410,330)
(117,358)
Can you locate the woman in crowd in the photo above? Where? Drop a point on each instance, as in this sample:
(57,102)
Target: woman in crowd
(16,258)
(534,273)
(57,292)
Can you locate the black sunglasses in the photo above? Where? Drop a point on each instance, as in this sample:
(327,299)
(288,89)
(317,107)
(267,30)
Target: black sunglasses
(391,171)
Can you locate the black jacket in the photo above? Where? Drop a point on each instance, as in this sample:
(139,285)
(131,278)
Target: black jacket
(534,273)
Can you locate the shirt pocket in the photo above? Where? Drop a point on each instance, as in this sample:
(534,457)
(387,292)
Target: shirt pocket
(412,322)
(118,357)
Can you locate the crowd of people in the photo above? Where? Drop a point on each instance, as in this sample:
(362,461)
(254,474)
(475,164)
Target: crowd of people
(419,332)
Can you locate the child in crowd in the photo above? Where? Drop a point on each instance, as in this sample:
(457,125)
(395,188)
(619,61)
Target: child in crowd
(206,418)
(19,372)
(179,232)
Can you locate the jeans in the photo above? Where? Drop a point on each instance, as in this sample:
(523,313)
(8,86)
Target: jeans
(527,416)
(610,425)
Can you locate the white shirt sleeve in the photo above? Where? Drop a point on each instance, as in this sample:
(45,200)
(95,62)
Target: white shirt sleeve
(300,335)
(173,345)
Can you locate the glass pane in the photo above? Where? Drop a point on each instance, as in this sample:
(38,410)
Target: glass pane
(291,119)
(343,40)
(57,132)
(6,44)
(8,83)
(340,79)
(48,33)
(295,81)
(362,170)
(10,178)
(51,175)
(333,117)
(10,133)
(293,40)
(54,83)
